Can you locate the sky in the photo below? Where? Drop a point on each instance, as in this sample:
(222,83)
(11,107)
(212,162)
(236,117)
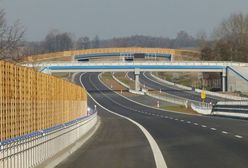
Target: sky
(118,18)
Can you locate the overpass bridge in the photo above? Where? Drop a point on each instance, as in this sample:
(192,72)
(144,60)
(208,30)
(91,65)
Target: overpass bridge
(141,66)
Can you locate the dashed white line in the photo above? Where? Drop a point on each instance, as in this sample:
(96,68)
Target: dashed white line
(176,119)
(189,122)
(214,129)
(224,132)
(182,120)
(239,136)
(204,126)
(196,124)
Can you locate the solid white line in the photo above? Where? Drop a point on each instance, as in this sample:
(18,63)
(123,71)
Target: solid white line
(158,156)
(238,136)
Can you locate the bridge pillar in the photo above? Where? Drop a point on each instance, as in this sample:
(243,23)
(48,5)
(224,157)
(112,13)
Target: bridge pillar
(224,80)
(172,58)
(137,83)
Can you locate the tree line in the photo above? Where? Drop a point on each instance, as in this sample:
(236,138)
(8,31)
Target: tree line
(57,41)
(230,40)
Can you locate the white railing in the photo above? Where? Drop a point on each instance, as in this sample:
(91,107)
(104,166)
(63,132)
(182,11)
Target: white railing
(181,63)
(33,149)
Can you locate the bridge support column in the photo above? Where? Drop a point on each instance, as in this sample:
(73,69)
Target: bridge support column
(137,83)
(224,80)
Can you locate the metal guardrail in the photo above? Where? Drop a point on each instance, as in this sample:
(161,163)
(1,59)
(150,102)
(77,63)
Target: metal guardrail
(32,149)
(224,96)
(181,63)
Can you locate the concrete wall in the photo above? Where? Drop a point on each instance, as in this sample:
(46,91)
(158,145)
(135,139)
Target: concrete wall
(236,83)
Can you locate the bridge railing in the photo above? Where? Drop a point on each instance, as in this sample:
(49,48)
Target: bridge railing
(186,63)
(35,148)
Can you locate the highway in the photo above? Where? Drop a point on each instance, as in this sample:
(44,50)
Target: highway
(149,81)
(185,141)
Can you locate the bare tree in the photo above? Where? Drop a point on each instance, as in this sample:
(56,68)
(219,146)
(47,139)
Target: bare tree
(55,41)
(230,40)
(9,38)
(83,43)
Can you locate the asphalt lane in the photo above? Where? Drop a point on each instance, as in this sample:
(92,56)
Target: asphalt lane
(190,95)
(185,140)
(117,143)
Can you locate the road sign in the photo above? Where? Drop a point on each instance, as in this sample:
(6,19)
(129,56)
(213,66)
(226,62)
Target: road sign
(203,95)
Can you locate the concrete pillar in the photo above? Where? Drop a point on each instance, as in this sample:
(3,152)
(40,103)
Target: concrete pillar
(172,58)
(137,83)
(73,58)
(224,80)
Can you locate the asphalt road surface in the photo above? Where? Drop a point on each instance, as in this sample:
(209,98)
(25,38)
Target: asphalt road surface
(149,81)
(186,141)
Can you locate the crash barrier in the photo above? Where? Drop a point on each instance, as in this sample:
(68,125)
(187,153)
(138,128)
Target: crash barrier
(224,96)
(35,148)
(32,101)
(202,108)
(231,108)
(165,97)
(169,99)
(120,82)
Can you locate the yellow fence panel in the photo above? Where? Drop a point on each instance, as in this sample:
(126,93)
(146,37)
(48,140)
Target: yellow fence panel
(31,101)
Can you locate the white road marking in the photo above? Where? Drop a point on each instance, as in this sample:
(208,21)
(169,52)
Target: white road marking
(158,156)
(176,119)
(189,122)
(239,136)
(182,120)
(196,124)
(214,129)
(204,126)
(224,132)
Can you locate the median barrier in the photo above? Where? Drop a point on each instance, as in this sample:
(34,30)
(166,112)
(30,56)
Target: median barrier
(120,82)
(224,96)
(167,98)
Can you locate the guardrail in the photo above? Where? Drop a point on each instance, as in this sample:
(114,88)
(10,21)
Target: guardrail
(120,82)
(169,99)
(186,63)
(166,97)
(32,149)
(224,96)
(231,108)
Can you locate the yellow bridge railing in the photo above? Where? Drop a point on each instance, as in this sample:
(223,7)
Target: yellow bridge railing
(31,101)
(55,55)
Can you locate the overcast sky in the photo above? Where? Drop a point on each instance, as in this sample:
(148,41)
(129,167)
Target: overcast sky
(117,18)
